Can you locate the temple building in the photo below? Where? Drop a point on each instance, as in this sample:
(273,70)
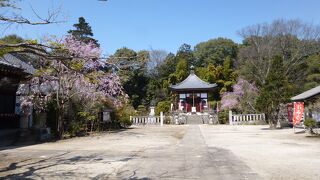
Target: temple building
(13,71)
(192,94)
(311,99)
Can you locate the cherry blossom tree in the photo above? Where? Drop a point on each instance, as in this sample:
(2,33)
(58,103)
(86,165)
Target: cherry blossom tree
(242,98)
(78,75)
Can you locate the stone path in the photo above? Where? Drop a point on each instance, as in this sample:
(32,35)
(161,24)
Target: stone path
(169,152)
(191,158)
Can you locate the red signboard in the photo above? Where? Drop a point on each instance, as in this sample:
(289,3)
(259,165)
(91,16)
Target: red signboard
(298,112)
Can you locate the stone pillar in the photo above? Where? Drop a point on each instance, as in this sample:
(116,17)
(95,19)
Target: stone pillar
(152,113)
(176,119)
(210,119)
(230,117)
(161,118)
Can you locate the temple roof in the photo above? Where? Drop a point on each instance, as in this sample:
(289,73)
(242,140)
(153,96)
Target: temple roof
(16,61)
(192,82)
(307,94)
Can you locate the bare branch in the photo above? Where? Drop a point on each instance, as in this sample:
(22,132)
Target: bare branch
(51,18)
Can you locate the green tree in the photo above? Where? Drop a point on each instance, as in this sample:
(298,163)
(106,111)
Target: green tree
(185,53)
(313,72)
(224,75)
(163,106)
(168,66)
(83,31)
(12,39)
(215,51)
(181,72)
(274,91)
(132,72)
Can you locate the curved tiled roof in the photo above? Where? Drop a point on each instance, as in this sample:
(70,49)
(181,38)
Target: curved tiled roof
(193,82)
(12,59)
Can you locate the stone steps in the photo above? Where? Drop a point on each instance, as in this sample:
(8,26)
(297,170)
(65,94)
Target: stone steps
(197,119)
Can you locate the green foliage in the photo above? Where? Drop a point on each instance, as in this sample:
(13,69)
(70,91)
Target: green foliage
(136,88)
(83,31)
(10,39)
(224,75)
(313,72)
(125,53)
(310,123)
(76,128)
(87,115)
(274,91)
(185,53)
(123,115)
(163,106)
(223,117)
(168,66)
(133,73)
(142,110)
(181,72)
(215,51)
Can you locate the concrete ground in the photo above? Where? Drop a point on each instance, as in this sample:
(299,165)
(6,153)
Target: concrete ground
(170,152)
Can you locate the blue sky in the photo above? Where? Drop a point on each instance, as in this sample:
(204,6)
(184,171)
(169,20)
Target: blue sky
(162,24)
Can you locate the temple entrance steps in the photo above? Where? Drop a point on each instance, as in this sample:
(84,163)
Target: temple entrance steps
(197,119)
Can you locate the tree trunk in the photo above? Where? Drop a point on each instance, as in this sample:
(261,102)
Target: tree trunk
(60,124)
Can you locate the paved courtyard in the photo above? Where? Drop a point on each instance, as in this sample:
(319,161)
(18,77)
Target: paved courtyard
(170,152)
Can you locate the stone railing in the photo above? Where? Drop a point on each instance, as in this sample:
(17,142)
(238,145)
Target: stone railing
(237,119)
(147,120)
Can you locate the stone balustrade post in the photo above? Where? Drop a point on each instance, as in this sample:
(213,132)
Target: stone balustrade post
(161,118)
(230,117)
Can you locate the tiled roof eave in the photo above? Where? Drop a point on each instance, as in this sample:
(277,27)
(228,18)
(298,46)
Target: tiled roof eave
(307,94)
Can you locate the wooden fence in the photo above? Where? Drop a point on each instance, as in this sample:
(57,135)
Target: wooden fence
(237,119)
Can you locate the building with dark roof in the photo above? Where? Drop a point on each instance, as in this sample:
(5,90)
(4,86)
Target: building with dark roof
(307,95)
(192,94)
(311,99)
(13,71)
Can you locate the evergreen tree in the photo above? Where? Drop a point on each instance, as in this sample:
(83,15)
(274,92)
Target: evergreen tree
(12,39)
(274,91)
(83,32)
(313,72)
(181,72)
(185,53)
(215,51)
(132,73)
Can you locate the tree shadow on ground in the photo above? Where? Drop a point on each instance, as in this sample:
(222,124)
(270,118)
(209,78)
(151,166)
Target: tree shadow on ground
(29,168)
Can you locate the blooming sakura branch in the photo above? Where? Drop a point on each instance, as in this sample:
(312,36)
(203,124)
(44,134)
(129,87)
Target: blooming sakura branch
(242,97)
(79,74)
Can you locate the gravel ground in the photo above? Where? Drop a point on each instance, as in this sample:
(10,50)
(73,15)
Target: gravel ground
(170,152)
(273,154)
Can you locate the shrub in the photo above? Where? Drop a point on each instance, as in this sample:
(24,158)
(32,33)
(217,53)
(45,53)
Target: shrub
(142,110)
(76,129)
(223,116)
(163,106)
(123,114)
(167,120)
(310,124)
